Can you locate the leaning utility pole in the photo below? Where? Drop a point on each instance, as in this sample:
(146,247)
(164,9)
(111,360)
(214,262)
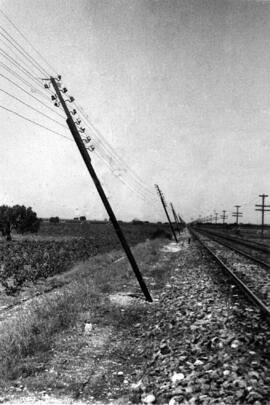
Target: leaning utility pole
(87,160)
(237,214)
(223,217)
(163,202)
(263,209)
(175,218)
(181,221)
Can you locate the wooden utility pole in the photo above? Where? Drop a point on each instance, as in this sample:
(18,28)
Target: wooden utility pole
(181,221)
(175,218)
(237,214)
(262,208)
(223,216)
(87,160)
(163,202)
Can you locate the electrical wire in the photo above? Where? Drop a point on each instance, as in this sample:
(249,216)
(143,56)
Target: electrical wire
(18,57)
(23,80)
(27,40)
(32,108)
(26,71)
(22,52)
(126,183)
(121,178)
(31,76)
(119,160)
(120,175)
(56,133)
(111,150)
(107,156)
(31,95)
(34,122)
(143,197)
(42,126)
(19,66)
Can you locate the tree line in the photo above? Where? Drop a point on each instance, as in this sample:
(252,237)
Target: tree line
(19,218)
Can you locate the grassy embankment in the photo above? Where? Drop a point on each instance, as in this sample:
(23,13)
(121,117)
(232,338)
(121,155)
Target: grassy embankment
(27,337)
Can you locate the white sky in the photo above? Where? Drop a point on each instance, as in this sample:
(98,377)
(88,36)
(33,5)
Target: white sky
(180,89)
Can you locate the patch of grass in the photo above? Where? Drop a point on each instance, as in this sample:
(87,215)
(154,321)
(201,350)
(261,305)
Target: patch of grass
(31,333)
(33,330)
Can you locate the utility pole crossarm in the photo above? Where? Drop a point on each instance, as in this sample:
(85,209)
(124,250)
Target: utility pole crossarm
(262,208)
(237,214)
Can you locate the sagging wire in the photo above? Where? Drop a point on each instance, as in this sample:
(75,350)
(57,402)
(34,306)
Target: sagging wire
(32,108)
(35,122)
(29,43)
(91,148)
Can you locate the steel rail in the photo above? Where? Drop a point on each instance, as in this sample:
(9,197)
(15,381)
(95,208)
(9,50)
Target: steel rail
(242,286)
(253,245)
(241,252)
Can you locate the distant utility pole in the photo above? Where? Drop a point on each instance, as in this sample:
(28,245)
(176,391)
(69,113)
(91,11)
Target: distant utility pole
(87,160)
(216,217)
(223,216)
(181,220)
(163,202)
(211,218)
(175,218)
(237,214)
(263,209)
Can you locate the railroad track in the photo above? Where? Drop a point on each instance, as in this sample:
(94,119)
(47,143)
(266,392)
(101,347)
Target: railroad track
(257,252)
(245,272)
(239,240)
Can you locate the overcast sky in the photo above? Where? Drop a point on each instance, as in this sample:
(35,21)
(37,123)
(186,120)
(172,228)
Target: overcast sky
(179,88)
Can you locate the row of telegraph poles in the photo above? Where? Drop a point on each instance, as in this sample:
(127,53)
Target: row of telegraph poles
(237,214)
(177,219)
(82,141)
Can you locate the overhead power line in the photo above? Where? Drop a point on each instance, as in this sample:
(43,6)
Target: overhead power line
(34,122)
(106,149)
(32,108)
(131,188)
(25,71)
(31,95)
(109,148)
(120,174)
(27,40)
(21,50)
(22,79)
(19,66)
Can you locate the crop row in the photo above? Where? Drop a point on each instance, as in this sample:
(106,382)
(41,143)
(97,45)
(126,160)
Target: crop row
(56,248)
(30,260)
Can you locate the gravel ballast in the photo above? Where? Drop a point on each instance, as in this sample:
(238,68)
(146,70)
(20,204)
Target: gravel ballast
(204,344)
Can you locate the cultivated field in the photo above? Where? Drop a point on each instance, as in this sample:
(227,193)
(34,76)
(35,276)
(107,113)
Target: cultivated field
(59,246)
